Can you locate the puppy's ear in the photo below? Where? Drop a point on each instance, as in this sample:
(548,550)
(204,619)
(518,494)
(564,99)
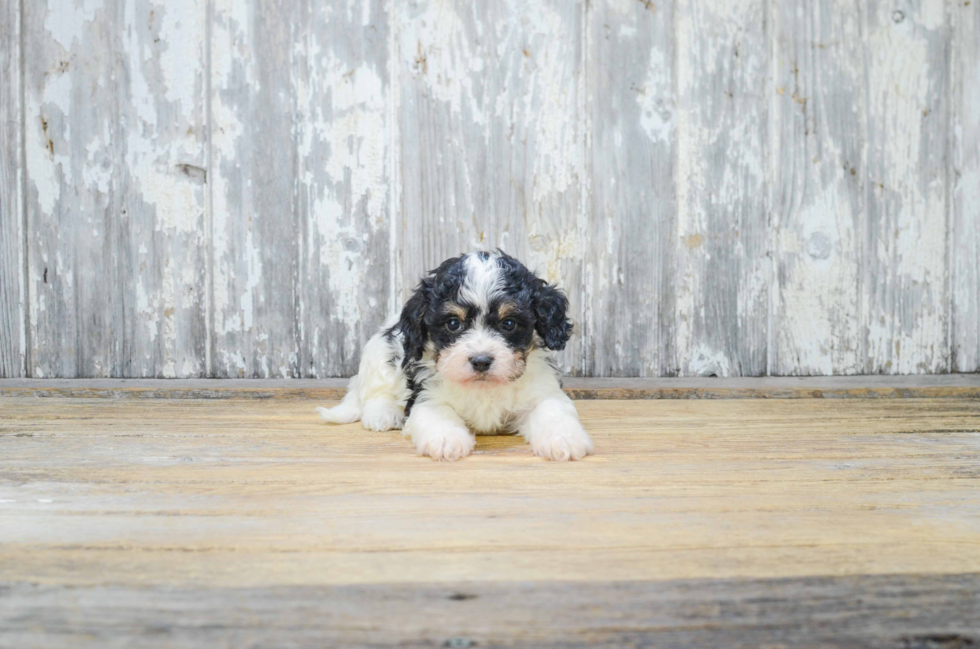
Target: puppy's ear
(412,322)
(550,306)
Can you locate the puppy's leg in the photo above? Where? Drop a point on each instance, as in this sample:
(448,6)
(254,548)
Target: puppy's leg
(439,432)
(382,414)
(378,393)
(554,431)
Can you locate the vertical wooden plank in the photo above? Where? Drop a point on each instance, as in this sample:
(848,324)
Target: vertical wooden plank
(965,240)
(299,104)
(721,267)
(904,286)
(342,90)
(632,188)
(13,342)
(115,149)
(820,104)
(493,138)
(256,230)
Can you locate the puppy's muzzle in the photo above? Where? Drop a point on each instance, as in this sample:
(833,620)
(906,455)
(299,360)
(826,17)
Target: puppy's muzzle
(481,362)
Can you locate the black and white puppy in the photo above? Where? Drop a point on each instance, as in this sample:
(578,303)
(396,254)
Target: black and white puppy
(472,352)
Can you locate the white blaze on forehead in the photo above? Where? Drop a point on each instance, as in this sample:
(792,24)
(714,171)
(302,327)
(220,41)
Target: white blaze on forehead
(483,281)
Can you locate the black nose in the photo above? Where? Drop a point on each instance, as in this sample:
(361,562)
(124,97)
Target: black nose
(481,363)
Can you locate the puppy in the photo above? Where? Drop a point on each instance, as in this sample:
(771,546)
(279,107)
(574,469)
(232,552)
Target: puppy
(472,352)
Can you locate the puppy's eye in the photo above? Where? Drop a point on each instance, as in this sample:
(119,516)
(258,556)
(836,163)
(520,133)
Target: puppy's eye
(453,324)
(509,324)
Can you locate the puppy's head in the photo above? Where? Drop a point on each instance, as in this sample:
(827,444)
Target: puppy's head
(480,315)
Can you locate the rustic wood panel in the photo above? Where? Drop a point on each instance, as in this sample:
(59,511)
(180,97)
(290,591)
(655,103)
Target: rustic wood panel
(820,130)
(299,100)
(342,86)
(13,343)
(628,284)
(184,493)
(918,386)
(205,518)
(901,611)
(904,288)
(254,164)
(246,189)
(964,251)
(115,150)
(721,266)
(493,138)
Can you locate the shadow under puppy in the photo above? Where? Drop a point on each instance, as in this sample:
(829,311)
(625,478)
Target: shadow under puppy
(471,352)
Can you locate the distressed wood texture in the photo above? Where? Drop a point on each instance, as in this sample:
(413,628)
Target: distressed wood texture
(964,251)
(493,149)
(629,288)
(819,109)
(249,523)
(904,288)
(721,268)
(723,187)
(115,150)
(888,611)
(299,103)
(919,386)
(13,343)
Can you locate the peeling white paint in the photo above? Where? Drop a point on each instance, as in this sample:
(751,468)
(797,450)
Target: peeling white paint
(655,98)
(66,19)
(507,158)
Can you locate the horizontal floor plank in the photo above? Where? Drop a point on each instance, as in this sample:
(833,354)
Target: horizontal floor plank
(891,611)
(932,386)
(243,522)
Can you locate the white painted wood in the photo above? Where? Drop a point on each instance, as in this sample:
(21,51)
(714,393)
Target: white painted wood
(819,102)
(246,189)
(628,279)
(904,284)
(493,151)
(342,90)
(13,342)
(115,149)
(721,268)
(299,103)
(964,251)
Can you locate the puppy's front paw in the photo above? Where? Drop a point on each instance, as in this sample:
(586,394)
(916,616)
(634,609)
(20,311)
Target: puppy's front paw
(448,443)
(562,440)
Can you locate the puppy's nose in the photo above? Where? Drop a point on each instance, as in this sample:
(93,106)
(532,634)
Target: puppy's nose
(481,362)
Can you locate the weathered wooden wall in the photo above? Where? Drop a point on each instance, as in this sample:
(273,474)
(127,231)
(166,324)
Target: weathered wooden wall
(733,187)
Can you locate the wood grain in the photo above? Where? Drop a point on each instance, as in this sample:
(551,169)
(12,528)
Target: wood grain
(904,288)
(931,386)
(183,492)
(256,222)
(913,611)
(492,150)
(628,280)
(820,116)
(344,194)
(721,269)
(196,523)
(116,214)
(964,251)
(228,189)
(13,343)
(299,97)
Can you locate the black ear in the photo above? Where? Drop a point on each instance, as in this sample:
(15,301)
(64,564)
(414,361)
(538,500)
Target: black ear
(412,322)
(550,305)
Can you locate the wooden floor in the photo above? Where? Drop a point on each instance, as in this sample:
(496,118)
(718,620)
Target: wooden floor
(247,523)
